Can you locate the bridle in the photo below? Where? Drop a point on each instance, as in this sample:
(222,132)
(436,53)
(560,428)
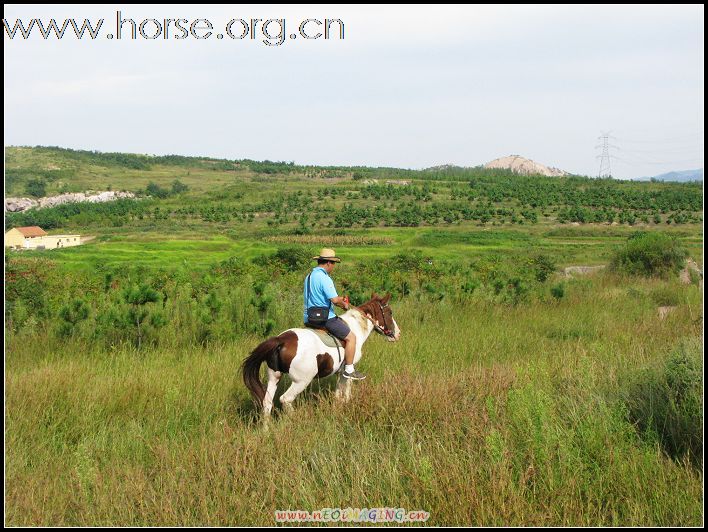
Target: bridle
(385,330)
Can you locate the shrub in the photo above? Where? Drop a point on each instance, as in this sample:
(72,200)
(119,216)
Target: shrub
(178,187)
(288,259)
(469,285)
(407,261)
(36,188)
(542,266)
(137,297)
(231,267)
(558,291)
(71,314)
(155,190)
(649,254)
(665,403)
(27,286)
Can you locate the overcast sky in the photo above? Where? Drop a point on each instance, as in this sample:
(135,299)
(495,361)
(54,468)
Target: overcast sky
(409,87)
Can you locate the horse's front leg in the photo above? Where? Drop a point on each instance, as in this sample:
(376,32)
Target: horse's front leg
(344,389)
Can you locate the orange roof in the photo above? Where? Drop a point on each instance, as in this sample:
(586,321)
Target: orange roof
(32,230)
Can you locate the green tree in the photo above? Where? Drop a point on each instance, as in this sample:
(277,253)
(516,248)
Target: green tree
(71,314)
(137,297)
(262,302)
(36,188)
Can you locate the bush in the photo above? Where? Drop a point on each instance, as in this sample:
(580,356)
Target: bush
(542,266)
(137,297)
(178,187)
(36,188)
(665,403)
(231,267)
(649,254)
(287,259)
(155,190)
(408,261)
(71,314)
(27,285)
(558,291)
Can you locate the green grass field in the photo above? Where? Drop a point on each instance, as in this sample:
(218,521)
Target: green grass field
(509,400)
(480,415)
(198,247)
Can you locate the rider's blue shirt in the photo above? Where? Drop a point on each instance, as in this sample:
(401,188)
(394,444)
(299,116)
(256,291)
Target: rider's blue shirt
(321,291)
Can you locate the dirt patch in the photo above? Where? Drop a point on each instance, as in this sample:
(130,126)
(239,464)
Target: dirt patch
(685,274)
(664,311)
(569,271)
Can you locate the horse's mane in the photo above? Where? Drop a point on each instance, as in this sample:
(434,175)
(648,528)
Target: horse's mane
(358,312)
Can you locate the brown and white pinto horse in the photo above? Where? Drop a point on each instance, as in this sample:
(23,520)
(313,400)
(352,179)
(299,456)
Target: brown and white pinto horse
(302,354)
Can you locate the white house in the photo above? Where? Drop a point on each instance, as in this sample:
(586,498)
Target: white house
(35,237)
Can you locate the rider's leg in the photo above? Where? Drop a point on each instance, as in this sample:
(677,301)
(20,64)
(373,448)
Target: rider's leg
(349,348)
(338,327)
(349,371)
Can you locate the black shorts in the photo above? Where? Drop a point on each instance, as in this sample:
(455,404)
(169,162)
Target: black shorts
(338,327)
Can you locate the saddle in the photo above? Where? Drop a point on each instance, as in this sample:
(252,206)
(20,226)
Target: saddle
(327,337)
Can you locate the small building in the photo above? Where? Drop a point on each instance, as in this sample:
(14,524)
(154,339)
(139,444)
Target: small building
(35,237)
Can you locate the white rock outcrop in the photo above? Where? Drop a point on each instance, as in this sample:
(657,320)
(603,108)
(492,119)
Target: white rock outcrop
(22,204)
(19,204)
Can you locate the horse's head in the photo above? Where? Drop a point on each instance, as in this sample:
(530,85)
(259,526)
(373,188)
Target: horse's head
(381,315)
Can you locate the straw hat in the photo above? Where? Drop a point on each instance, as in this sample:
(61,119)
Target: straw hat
(327,254)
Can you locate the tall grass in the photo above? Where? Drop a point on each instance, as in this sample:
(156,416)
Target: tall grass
(665,402)
(483,414)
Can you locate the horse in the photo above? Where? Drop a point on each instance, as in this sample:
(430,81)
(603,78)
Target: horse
(302,354)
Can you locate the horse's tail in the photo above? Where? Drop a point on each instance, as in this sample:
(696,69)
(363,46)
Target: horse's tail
(267,351)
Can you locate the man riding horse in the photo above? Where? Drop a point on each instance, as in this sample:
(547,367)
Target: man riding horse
(303,354)
(319,292)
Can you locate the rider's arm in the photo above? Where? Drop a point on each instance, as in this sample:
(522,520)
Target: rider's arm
(340,302)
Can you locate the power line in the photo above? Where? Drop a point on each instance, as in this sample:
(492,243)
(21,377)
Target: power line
(685,138)
(676,150)
(638,162)
(662,154)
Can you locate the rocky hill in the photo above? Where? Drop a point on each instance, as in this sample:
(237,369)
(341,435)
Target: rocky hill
(522,165)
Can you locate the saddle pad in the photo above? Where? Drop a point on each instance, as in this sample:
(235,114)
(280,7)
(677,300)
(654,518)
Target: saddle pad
(328,340)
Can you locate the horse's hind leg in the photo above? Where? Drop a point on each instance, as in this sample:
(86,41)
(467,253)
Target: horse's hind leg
(273,379)
(291,393)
